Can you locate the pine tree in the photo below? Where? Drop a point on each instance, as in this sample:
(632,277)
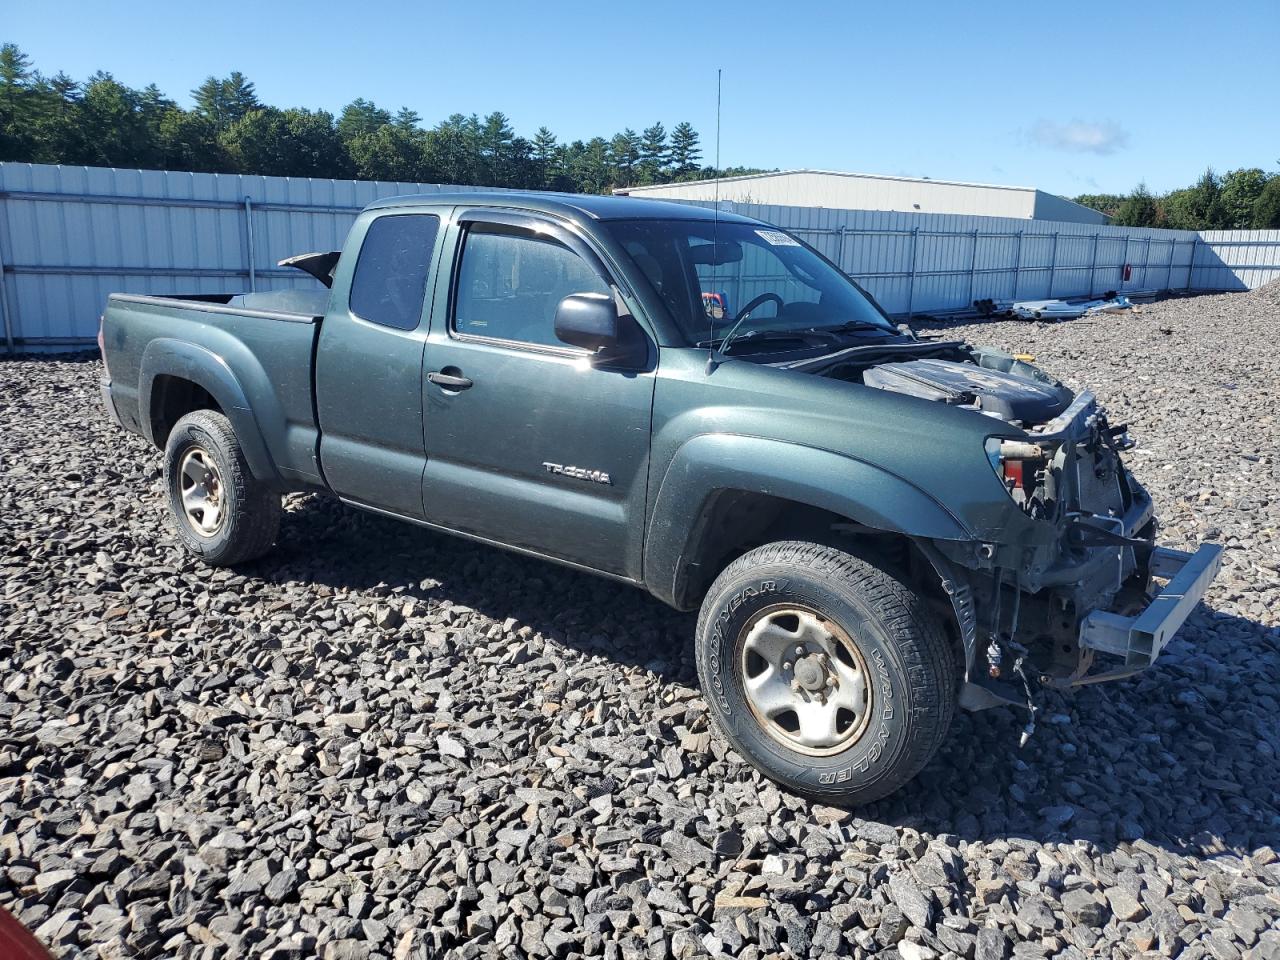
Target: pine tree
(406,119)
(545,145)
(624,154)
(685,151)
(223,102)
(591,170)
(239,95)
(1138,210)
(360,117)
(497,168)
(17,118)
(548,159)
(452,149)
(653,153)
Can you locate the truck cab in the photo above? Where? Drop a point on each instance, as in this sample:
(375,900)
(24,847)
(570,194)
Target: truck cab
(445,394)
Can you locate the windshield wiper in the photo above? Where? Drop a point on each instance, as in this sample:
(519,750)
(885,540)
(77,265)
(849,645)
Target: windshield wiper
(729,338)
(850,325)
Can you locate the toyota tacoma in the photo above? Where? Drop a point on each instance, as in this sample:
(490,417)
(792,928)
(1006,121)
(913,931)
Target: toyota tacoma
(875,527)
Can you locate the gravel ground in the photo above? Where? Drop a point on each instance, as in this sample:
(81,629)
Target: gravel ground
(378,742)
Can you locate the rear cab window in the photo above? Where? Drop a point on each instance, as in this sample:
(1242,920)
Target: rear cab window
(390,279)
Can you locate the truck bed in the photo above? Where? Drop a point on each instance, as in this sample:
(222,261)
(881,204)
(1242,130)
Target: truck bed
(265,343)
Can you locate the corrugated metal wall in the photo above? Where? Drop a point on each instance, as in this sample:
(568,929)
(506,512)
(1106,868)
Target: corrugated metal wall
(1237,259)
(914,263)
(71,235)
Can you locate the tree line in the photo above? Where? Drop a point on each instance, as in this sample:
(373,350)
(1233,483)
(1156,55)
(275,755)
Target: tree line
(102,122)
(1245,199)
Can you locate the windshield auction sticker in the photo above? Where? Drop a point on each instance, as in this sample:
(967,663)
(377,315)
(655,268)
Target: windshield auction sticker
(777,238)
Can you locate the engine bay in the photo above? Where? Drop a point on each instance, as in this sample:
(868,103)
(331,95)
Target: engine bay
(1068,466)
(1010,397)
(972,378)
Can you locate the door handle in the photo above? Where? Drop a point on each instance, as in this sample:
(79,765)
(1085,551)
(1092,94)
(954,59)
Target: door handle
(450,378)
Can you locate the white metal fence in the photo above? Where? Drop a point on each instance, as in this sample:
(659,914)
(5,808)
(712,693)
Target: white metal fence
(71,235)
(937,263)
(1237,259)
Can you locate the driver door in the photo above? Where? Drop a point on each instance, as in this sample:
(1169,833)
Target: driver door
(528,444)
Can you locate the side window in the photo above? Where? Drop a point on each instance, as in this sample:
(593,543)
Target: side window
(509,285)
(391,274)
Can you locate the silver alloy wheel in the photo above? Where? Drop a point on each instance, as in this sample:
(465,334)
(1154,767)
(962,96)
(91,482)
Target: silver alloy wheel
(200,485)
(805,680)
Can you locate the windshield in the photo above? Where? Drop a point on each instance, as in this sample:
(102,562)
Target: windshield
(754,279)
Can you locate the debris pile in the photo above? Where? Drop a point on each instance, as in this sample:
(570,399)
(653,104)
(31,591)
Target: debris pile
(1053,309)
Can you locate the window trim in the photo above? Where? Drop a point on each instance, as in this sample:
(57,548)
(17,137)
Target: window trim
(432,258)
(520,224)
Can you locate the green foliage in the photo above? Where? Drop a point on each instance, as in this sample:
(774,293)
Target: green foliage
(1108,203)
(1266,209)
(1139,209)
(1240,192)
(228,129)
(286,143)
(1248,198)
(1197,208)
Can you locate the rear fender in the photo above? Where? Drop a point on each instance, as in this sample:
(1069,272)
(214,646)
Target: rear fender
(711,464)
(203,367)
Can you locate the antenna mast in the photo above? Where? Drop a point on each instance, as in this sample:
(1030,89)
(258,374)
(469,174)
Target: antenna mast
(715,229)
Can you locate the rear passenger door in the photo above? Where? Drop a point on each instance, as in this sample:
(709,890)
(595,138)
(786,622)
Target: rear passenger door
(528,444)
(368,365)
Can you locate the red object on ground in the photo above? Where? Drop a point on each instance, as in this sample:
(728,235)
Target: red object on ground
(16,942)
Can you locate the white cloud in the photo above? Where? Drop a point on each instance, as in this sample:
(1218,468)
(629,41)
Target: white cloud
(1080,137)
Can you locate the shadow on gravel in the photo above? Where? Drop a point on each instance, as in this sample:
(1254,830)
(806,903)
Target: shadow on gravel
(326,543)
(1176,757)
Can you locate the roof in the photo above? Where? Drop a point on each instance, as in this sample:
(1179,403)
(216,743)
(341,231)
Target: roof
(828,173)
(570,205)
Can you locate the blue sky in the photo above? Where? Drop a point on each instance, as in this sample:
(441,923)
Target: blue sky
(1071,98)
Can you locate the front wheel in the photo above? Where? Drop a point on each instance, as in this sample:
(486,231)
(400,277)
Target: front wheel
(223,514)
(825,671)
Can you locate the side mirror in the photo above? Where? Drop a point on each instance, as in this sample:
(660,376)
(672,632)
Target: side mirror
(588,320)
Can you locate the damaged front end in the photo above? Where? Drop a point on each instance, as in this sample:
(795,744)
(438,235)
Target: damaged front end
(1062,584)
(1080,601)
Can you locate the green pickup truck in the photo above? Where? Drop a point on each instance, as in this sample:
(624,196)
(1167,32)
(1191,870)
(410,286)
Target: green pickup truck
(875,527)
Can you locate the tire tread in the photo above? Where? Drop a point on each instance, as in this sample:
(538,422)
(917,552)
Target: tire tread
(928,655)
(253,527)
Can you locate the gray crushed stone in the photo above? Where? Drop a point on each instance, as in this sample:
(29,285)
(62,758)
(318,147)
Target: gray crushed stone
(379,742)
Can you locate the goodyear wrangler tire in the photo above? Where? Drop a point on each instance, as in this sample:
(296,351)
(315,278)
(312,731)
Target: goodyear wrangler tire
(222,513)
(825,671)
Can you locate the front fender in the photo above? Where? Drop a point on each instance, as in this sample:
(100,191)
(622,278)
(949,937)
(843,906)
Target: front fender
(710,464)
(188,361)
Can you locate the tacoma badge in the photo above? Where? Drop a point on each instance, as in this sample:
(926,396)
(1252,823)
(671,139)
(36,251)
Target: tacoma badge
(578,473)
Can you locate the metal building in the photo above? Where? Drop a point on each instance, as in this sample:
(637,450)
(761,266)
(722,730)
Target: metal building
(866,191)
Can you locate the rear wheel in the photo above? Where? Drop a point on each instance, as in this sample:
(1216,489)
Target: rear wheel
(222,513)
(825,671)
